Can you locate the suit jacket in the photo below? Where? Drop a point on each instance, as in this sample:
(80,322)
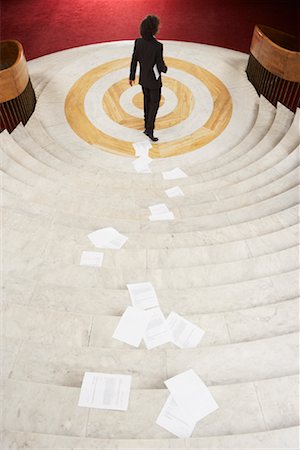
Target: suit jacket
(148,53)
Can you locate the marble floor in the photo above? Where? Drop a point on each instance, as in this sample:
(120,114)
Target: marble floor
(228,262)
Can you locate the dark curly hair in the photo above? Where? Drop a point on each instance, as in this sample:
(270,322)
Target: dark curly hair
(149,27)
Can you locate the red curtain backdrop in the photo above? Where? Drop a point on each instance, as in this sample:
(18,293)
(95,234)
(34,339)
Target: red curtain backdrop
(48,26)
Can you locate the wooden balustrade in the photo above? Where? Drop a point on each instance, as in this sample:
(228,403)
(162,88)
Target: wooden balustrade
(274,66)
(17,97)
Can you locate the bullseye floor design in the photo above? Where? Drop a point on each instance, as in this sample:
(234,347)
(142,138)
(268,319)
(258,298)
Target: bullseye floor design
(228,262)
(75,109)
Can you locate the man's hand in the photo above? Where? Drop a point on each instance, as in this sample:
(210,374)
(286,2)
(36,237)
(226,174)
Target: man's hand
(131,82)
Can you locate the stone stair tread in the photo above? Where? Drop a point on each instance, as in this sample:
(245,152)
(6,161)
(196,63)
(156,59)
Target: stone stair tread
(187,301)
(287,438)
(239,411)
(62,365)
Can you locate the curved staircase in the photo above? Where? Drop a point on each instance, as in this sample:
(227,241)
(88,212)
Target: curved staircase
(228,262)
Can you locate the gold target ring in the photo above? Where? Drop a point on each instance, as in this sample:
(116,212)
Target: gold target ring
(215,125)
(184,107)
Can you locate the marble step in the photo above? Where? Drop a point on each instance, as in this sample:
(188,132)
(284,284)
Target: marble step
(131,174)
(64,227)
(54,194)
(188,301)
(60,198)
(287,438)
(38,133)
(44,246)
(33,126)
(246,181)
(193,193)
(281,117)
(68,253)
(261,178)
(162,278)
(282,122)
(70,172)
(187,180)
(68,201)
(24,220)
(24,322)
(243,408)
(264,119)
(92,155)
(61,365)
(258,210)
(18,155)
(29,175)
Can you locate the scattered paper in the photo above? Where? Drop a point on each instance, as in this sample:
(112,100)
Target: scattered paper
(174,174)
(157,331)
(92,259)
(160,212)
(184,333)
(107,238)
(160,208)
(141,164)
(174,192)
(142,148)
(191,395)
(156,72)
(105,391)
(132,326)
(142,295)
(173,419)
(166,216)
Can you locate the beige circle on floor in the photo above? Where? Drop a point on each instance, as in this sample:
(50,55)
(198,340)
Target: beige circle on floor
(112,105)
(82,126)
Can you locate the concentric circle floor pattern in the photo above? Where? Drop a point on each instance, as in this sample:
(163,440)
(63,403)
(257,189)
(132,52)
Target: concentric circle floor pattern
(228,261)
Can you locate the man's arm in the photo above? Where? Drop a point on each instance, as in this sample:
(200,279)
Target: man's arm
(133,65)
(160,61)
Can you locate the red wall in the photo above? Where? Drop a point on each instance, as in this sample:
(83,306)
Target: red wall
(47,26)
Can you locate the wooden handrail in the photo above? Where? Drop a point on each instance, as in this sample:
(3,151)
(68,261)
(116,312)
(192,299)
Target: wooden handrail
(274,66)
(276,51)
(17,97)
(14,75)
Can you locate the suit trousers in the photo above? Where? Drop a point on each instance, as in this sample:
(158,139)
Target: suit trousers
(151,104)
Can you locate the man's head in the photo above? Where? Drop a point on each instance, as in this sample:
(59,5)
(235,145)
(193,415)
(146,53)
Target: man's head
(149,27)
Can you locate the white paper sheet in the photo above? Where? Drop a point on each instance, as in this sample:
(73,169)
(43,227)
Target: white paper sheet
(157,331)
(191,395)
(141,164)
(105,391)
(107,238)
(160,208)
(160,212)
(174,192)
(142,295)
(166,216)
(185,334)
(173,419)
(174,174)
(156,72)
(142,148)
(92,259)
(132,326)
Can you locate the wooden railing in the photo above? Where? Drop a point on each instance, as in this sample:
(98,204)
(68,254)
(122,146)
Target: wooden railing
(274,66)
(17,97)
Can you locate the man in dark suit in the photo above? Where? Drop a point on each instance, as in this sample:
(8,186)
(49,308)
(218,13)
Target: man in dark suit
(149,53)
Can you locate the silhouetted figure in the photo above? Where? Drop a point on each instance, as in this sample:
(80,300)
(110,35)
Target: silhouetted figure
(149,53)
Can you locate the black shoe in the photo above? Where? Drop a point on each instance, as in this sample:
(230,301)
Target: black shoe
(150,135)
